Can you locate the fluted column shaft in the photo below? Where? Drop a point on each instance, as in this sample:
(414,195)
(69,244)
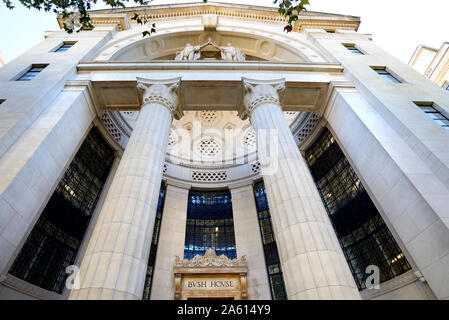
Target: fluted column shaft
(313,263)
(115,262)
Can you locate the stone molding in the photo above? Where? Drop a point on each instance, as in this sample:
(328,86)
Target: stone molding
(391,285)
(259,92)
(20,285)
(163,92)
(210,259)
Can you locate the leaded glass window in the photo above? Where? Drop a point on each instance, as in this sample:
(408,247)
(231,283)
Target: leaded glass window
(57,235)
(154,244)
(270,249)
(210,224)
(362,233)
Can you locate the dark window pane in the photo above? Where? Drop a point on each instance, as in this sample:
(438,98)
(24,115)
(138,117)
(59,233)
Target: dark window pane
(271,254)
(55,239)
(363,235)
(154,243)
(209,215)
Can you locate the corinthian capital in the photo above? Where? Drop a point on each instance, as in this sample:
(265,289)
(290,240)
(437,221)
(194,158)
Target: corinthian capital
(163,92)
(259,92)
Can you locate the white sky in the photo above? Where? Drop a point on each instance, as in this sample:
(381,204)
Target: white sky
(396,25)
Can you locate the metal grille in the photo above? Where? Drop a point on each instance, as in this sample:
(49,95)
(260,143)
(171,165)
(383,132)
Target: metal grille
(55,239)
(154,244)
(269,244)
(362,233)
(210,224)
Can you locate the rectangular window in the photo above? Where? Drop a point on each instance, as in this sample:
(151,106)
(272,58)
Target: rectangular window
(361,231)
(387,76)
(352,48)
(434,114)
(210,224)
(58,233)
(270,249)
(32,72)
(154,243)
(65,46)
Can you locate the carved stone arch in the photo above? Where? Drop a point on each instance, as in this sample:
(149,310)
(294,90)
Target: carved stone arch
(257,44)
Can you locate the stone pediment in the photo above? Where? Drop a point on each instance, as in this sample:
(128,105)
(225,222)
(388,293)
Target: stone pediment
(210,259)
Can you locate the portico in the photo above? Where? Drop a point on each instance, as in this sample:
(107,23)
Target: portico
(355,174)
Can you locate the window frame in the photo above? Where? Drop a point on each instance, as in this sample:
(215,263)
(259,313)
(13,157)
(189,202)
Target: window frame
(61,45)
(358,51)
(21,76)
(438,110)
(397,79)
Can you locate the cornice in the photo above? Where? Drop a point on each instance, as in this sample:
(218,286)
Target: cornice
(91,66)
(120,18)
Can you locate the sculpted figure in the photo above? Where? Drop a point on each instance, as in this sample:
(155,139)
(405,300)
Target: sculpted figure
(190,52)
(230,53)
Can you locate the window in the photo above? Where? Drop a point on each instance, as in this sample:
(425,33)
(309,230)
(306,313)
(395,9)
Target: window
(64,47)
(57,235)
(387,76)
(154,243)
(352,48)
(210,224)
(270,249)
(434,114)
(32,72)
(361,231)
(330,31)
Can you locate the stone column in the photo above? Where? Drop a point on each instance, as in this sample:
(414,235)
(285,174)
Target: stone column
(312,261)
(249,241)
(171,240)
(115,262)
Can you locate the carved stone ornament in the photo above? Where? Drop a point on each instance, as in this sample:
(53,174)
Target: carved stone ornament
(192,53)
(210,259)
(258,92)
(163,92)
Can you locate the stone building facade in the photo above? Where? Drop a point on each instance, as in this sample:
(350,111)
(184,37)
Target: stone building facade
(311,162)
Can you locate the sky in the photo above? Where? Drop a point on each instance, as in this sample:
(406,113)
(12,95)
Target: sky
(398,26)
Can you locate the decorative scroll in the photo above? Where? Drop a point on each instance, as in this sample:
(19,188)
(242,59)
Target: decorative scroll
(210,259)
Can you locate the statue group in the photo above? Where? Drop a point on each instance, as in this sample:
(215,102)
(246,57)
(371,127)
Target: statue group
(192,53)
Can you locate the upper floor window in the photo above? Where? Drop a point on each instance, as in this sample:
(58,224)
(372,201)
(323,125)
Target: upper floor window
(387,76)
(64,46)
(434,114)
(32,72)
(353,49)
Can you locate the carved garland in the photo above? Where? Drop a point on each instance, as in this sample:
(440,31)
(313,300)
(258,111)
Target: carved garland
(210,259)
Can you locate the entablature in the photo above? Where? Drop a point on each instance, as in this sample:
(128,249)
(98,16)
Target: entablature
(208,85)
